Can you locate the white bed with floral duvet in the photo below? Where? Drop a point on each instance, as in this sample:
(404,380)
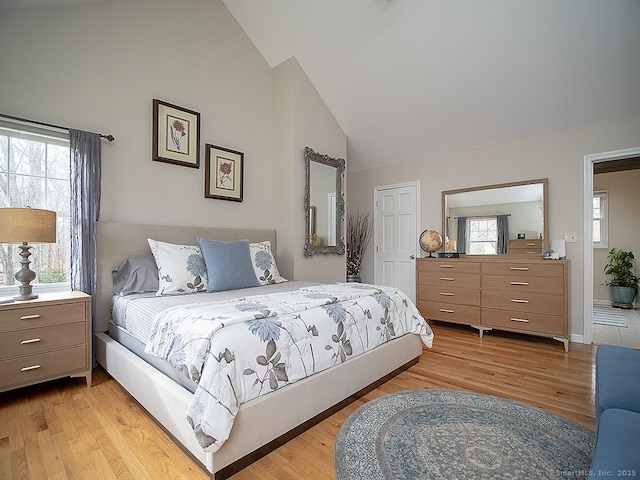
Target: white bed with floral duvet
(242,357)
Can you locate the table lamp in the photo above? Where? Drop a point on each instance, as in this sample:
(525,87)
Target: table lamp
(24,226)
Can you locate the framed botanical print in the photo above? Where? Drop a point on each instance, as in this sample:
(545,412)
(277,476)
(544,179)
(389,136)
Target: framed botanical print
(176,135)
(223,174)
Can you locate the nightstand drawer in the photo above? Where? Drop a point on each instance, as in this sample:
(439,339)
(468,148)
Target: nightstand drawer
(37,340)
(38,315)
(42,366)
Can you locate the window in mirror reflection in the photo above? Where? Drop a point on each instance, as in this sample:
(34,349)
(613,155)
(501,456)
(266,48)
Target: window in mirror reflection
(483,236)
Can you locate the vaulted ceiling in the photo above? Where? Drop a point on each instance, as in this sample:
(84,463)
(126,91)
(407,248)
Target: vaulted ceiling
(411,79)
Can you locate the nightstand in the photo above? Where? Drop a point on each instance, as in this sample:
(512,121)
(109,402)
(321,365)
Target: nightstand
(44,339)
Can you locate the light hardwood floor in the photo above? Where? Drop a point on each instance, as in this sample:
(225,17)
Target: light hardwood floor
(62,430)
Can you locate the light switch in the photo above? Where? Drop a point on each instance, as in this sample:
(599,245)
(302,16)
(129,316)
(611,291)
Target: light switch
(571,237)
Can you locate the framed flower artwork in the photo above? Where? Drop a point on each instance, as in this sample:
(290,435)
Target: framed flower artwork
(176,135)
(223,174)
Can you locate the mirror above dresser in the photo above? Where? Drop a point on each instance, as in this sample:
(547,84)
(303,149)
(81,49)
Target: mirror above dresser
(500,219)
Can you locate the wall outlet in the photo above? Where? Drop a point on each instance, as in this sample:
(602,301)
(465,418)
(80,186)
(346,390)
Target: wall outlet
(571,237)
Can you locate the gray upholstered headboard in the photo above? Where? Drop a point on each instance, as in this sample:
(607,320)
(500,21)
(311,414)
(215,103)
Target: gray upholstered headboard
(117,241)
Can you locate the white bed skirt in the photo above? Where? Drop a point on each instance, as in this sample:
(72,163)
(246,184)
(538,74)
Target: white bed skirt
(167,401)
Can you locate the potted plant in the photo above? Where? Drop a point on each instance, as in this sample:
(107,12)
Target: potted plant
(623,282)
(358,235)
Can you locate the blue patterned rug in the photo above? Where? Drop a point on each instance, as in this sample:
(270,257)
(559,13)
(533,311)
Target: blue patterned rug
(446,434)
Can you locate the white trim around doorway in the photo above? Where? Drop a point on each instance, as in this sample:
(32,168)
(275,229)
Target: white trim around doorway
(589,160)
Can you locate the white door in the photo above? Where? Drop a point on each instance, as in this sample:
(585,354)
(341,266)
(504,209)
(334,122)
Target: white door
(396,236)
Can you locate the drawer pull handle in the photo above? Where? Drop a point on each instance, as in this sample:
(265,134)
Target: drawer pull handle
(33,340)
(444,310)
(523,269)
(531,253)
(531,244)
(446,279)
(526,284)
(30,317)
(523,320)
(447,294)
(32,367)
(446,266)
(517,300)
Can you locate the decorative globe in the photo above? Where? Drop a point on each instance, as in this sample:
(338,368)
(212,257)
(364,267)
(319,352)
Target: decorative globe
(430,241)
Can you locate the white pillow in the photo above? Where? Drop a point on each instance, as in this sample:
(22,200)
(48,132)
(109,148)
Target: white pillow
(264,263)
(181,268)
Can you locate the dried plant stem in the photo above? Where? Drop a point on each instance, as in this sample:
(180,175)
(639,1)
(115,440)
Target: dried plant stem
(358,235)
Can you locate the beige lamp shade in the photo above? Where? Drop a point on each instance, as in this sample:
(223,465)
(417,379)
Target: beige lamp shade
(27,225)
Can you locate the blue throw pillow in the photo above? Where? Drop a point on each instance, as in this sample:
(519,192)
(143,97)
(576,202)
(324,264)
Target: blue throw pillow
(228,264)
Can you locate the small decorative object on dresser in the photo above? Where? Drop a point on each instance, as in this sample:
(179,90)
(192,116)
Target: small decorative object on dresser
(45,339)
(526,295)
(430,241)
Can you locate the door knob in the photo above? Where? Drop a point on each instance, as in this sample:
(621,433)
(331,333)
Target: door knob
(412,257)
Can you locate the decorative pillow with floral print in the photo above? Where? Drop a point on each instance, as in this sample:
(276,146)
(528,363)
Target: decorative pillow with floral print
(181,268)
(264,263)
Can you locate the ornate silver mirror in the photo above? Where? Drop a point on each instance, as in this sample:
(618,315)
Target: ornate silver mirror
(323,204)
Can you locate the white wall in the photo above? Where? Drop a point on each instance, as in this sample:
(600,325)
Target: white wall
(302,119)
(624,223)
(558,156)
(98,66)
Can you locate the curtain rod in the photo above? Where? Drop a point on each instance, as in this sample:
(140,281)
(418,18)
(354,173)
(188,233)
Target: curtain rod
(483,216)
(111,138)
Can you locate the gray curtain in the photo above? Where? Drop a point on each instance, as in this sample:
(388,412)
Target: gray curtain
(85,208)
(503,233)
(461,239)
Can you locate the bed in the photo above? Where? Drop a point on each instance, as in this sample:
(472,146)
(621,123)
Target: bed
(168,396)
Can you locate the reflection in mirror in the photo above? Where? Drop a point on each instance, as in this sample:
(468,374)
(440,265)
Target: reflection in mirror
(509,218)
(323,204)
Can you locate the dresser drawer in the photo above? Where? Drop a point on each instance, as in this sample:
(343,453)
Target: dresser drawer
(41,366)
(523,321)
(546,268)
(450,294)
(33,316)
(449,279)
(523,283)
(448,265)
(524,247)
(450,313)
(524,302)
(37,340)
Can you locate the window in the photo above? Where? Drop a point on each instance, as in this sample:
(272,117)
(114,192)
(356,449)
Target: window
(34,172)
(483,235)
(600,223)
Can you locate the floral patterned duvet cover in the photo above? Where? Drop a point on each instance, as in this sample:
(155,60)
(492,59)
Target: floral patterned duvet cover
(240,349)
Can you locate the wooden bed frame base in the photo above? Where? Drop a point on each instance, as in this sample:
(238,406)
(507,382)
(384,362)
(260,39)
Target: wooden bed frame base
(266,422)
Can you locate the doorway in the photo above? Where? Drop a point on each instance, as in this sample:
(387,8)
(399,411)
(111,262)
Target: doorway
(589,167)
(395,224)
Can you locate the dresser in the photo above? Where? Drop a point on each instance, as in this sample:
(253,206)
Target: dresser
(525,247)
(44,339)
(518,294)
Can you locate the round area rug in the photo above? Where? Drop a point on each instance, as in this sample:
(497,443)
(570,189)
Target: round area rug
(446,434)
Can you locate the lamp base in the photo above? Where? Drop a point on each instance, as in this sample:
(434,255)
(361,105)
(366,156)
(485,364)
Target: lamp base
(25,275)
(25,296)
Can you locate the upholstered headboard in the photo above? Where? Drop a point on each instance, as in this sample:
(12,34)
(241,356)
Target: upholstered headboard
(118,241)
